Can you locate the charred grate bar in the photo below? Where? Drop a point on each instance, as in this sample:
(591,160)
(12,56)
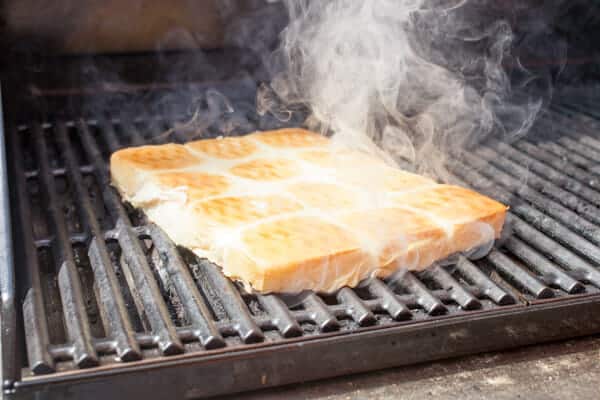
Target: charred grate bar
(104,290)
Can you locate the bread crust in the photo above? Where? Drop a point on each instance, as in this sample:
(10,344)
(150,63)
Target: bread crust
(286,210)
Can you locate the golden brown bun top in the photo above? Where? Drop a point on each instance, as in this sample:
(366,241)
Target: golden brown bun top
(291,210)
(163,157)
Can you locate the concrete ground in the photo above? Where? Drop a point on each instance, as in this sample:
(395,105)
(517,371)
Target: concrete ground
(564,370)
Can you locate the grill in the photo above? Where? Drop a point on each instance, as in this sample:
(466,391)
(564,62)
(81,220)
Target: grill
(99,302)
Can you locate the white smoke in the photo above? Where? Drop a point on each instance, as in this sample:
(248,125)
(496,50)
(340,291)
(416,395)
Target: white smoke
(419,79)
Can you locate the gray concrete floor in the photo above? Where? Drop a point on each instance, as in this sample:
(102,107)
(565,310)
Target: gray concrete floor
(564,370)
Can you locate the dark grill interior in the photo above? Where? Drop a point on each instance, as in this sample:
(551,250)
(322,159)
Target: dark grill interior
(101,286)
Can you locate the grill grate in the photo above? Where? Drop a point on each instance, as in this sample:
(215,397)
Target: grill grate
(104,287)
(198,285)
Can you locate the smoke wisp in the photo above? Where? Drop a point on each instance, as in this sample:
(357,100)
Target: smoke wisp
(419,79)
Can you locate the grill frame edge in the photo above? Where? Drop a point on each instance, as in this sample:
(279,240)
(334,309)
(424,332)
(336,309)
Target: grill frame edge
(9,348)
(285,362)
(369,350)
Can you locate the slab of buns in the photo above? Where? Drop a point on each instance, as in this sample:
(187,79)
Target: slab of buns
(287,210)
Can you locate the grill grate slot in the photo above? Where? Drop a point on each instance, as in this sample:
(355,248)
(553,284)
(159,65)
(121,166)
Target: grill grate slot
(543,186)
(134,259)
(232,302)
(584,152)
(282,317)
(72,148)
(457,292)
(520,277)
(543,266)
(585,119)
(356,309)
(530,214)
(103,281)
(389,301)
(116,317)
(551,171)
(41,228)
(161,275)
(585,155)
(154,309)
(565,156)
(34,316)
(424,297)
(69,284)
(51,296)
(542,203)
(489,288)
(319,313)
(90,291)
(114,252)
(198,313)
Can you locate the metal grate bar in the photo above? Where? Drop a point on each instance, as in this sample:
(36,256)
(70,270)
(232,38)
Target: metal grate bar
(551,208)
(585,128)
(567,157)
(94,154)
(74,238)
(573,201)
(548,171)
(210,309)
(576,120)
(105,278)
(108,133)
(134,257)
(414,300)
(106,345)
(506,266)
(583,137)
(490,288)
(357,310)
(319,313)
(282,317)
(560,254)
(84,169)
(586,118)
(425,298)
(590,141)
(535,260)
(34,316)
(568,113)
(579,148)
(235,306)
(199,314)
(75,316)
(569,143)
(136,137)
(389,301)
(461,295)
(536,218)
(233,303)
(582,108)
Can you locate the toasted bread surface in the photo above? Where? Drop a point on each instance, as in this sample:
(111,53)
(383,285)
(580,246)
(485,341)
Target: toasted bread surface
(286,210)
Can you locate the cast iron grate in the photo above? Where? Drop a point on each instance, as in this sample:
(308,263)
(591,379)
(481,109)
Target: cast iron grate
(106,288)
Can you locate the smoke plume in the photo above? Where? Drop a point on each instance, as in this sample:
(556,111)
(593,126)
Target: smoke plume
(418,79)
